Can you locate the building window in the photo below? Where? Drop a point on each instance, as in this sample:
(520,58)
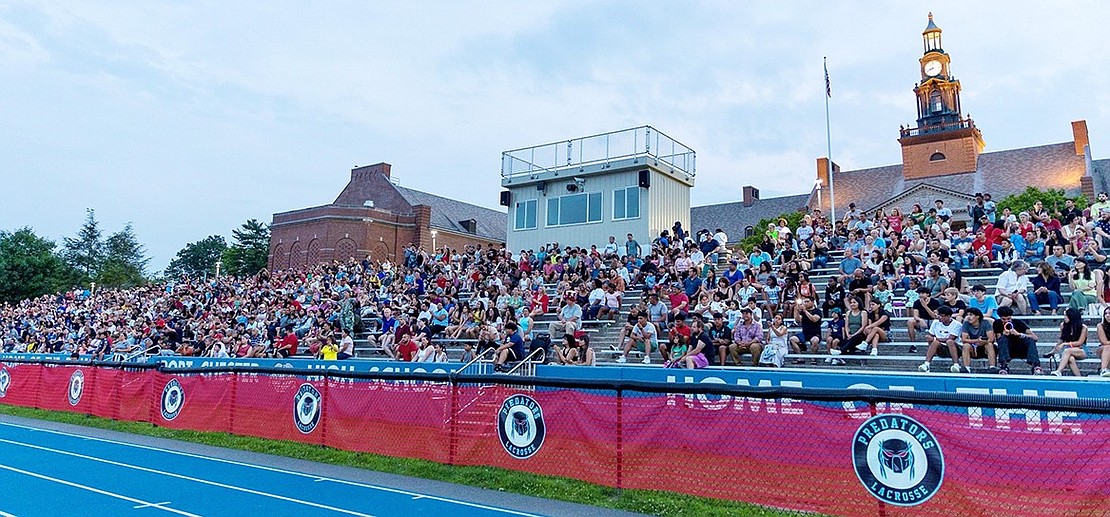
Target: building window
(525,214)
(935,101)
(574,209)
(936,157)
(748,232)
(626,203)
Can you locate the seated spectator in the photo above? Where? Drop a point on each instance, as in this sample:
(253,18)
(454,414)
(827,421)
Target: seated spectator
(1072,344)
(644,335)
(1046,289)
(1084,286)
(1013,287)
(943,332)
(977,340)
(922,314)
(747,338)
(1015,338)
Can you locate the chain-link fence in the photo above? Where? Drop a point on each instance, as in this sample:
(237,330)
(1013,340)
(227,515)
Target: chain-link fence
(840,452)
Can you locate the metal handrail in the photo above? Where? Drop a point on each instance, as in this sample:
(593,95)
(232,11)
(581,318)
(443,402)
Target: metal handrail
(477,357)
(527,360)
(645,140)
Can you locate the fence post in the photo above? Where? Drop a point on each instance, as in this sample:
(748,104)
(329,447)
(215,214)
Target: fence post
(234,402)
(882,505)
(324,409)
(620,440)
(453,429)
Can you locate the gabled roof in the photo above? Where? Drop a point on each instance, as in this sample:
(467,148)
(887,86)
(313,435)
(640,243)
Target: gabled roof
(447,213)
(1000,173)
(733,218)
(916,190)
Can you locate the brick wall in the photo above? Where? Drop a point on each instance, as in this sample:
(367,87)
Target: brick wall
(961,155)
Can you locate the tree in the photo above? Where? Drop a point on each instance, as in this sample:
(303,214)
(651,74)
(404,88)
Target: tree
(198,258)
(125,260)
(85,253)
(1053,200)
(251,250)
(29,267)
(793,220)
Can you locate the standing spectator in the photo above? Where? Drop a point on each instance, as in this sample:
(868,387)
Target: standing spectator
(631,247)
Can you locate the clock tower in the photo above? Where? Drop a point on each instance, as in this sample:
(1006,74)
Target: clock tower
(944,141)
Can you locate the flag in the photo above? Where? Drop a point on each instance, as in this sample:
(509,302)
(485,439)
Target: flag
(828,85)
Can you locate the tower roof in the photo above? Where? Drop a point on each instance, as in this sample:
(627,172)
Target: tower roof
(932,27)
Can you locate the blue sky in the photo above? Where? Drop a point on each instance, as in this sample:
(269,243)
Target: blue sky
(187,118)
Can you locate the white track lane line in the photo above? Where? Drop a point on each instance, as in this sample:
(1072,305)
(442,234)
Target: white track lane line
(5,514)
(186,478)
(98,491)
(275,469)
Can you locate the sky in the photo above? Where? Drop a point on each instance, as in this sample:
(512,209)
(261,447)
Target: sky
(188,118)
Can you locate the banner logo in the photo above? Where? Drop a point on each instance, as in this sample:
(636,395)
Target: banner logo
(520,426)
(76,387)
(5,381)
(306,408)
(173,397)
(898,460)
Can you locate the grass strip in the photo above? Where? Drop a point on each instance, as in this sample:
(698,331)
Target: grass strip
(549,487)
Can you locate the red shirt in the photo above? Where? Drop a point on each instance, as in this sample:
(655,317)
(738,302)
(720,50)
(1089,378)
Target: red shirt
(291,341)
(407,350)
(678,299)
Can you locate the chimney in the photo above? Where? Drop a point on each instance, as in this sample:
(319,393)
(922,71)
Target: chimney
(367,171)
(1079,135)
(823,175)
(751,195)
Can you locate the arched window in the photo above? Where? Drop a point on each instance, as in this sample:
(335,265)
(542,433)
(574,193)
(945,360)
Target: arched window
(748,232)
(936,157)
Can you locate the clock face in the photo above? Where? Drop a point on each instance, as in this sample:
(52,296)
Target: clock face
(932,68)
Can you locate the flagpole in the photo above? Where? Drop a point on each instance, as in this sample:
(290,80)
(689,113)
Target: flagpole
(828,143)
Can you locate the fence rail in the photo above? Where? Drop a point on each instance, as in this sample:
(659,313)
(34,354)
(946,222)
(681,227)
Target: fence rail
(786,447)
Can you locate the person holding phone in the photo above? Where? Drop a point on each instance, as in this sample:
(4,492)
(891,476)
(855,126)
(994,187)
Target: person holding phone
(1014,337)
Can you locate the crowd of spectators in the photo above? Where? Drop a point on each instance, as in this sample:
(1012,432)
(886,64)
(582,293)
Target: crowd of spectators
(760,308)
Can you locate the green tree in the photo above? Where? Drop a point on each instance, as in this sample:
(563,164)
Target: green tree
(125,260)
(251,250)
(793,220)
(1053,200)
(29,267)
(198,258)
(85,252)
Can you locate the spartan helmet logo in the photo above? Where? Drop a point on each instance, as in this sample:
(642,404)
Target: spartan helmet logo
(520,423)
(895,455)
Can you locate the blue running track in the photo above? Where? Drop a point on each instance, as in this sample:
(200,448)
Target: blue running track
(65,472)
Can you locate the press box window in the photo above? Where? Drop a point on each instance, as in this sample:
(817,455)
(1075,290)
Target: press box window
(525,215)
(626,203)
(574,209)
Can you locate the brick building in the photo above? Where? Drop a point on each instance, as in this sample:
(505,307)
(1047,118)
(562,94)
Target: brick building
(942,158)
(375,217)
